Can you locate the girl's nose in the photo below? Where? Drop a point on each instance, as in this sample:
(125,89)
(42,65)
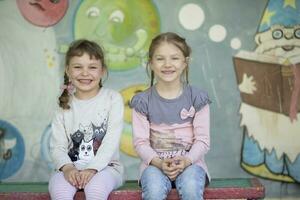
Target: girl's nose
(167,62)
(85,72)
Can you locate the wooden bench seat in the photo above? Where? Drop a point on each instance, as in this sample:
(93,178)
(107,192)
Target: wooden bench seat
(235,188)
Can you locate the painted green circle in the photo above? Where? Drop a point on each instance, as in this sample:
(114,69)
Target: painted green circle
(123,28)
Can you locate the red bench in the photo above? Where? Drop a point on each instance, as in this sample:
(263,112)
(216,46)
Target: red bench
(236,188)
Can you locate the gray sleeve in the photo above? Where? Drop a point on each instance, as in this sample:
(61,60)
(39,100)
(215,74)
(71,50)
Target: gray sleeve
(139,103)
(200,98)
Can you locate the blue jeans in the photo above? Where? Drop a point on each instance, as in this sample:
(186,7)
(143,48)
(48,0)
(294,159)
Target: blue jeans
(189,184)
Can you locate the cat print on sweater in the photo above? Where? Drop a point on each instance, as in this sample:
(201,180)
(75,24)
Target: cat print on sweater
(86,154)
(76,137)
(99,133)
(87,131)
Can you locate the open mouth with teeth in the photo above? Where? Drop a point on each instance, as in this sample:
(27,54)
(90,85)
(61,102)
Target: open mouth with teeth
(168,72)
(85,81)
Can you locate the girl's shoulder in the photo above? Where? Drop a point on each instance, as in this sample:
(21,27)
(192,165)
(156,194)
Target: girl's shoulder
(196,91)
(58,113)
(110,93)
(140,101)
(199,97)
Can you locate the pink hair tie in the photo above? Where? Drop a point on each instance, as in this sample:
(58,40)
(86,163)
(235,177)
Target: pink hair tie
(69,88)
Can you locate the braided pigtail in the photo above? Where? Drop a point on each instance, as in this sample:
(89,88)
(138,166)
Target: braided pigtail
(64,97)
(187,74)
(152,78)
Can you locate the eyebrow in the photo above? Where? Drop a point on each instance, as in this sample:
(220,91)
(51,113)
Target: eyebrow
(75,64)
(92,63)
(176,54)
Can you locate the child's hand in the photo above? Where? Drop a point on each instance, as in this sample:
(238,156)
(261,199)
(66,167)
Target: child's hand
(170,169)
(85,177)
(71,174)
(181,163)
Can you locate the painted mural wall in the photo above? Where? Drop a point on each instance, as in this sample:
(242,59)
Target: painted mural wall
(244,53)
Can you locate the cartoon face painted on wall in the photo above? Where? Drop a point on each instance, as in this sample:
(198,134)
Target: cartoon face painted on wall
(43,12)
(123,28)
(279,31)
(279,40)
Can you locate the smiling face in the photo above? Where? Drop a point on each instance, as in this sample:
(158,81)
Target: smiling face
(85,73)
(168,63)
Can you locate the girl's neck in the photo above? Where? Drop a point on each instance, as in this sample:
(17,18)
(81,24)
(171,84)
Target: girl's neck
(86,95)
(169,91)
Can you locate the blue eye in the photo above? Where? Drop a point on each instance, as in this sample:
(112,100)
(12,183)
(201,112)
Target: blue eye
(297,33)
(277,34)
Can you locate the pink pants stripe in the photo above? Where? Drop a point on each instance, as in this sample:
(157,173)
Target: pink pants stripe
(98,188)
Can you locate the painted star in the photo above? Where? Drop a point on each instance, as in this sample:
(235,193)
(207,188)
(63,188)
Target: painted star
(267,17)
(291,3)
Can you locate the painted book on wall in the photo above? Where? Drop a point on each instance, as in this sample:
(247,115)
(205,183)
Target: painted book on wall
(272,78)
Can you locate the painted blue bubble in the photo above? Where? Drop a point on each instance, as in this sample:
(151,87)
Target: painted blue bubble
(12,150)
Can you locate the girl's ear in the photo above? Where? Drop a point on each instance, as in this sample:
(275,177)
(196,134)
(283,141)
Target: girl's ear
(187,60)
(67,71)
(150,65)
(104,71)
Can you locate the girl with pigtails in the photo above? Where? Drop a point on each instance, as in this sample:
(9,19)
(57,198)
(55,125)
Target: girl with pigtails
(86,130)
(171,124)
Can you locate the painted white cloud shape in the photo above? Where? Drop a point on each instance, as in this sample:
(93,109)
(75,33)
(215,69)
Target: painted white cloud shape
(217,33)
(235,43)
(191,16)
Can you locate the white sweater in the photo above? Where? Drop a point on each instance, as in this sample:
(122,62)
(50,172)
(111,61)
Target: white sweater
(97,119)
